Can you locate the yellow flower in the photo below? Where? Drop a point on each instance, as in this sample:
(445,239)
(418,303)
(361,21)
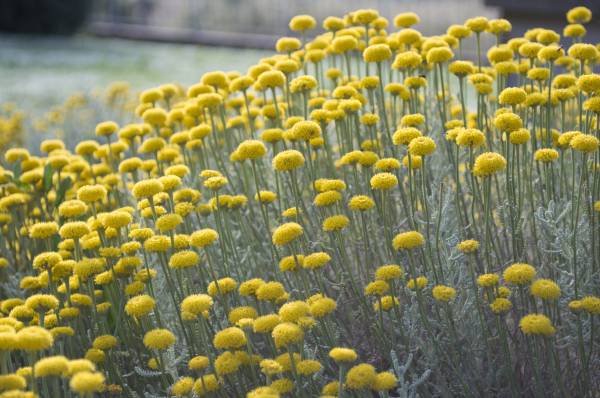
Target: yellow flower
(327,198)
(182,387)
(251,150)
(95,355)
(421,146)
(591,304)
(365,16)
(477,24)
(383,181)
(215,183)
(74,230)
(105,342)
(206,384)
(519,274)
(500,305)
(147,188)
(361,376)
(406,20)
(377,53)
(586,143)
(443,293)
(335,223)
(408,240)
(361,203)
(87,382)
(306,130)
(106,129)
(472,138)
(545,289)
(301,23)
(221,287)
(384,381)
(270,367)
(241,313)
(91,193)
(488,280)
(51,366)
(184,259)
(159,339)
(287,44)
(43,230)
(537,324)
(545,155)
(389,272)
(199,362)
(340,354)
(286,233)
(508,122)
(270,291)
(439,55)
(292,311)
(139,306)
(265,323)
(322,306)
(519,137)
(229,338)
(421,282)
(34,338)
(461,68)
(488,164)
(579,15)
(316,260)
(468,246)
(288,160)
(204,237)
(378,288)
(287,333)
(196,304)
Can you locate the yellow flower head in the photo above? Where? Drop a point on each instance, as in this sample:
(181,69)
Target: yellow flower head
(288,160)
(443,293)
(519,274)
(159,339)
(488,164)
(537,324)
(408,240)
(361,376)
(286,233)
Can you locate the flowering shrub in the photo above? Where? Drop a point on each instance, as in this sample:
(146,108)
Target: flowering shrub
(336,222)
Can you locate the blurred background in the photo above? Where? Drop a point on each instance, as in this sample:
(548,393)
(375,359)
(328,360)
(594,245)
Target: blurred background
(50,49)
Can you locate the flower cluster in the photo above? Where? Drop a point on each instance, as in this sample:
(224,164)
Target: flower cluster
(364,198)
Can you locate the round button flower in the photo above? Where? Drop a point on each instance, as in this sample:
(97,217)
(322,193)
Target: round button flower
(287,333)
(87,382)
(341,355)
(361,376)
(408,240)
(545,289)
(383,181)
(377,53)
(421,146)
(488,164)
(537,324)
(519,274)
(159,339)
(286,233)
(229,339)
(586,143)
(288,160)
(443,293)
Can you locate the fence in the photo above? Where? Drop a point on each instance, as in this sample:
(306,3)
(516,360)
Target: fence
(259,21)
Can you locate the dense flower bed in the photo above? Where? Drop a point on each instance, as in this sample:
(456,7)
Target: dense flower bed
(362,214)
